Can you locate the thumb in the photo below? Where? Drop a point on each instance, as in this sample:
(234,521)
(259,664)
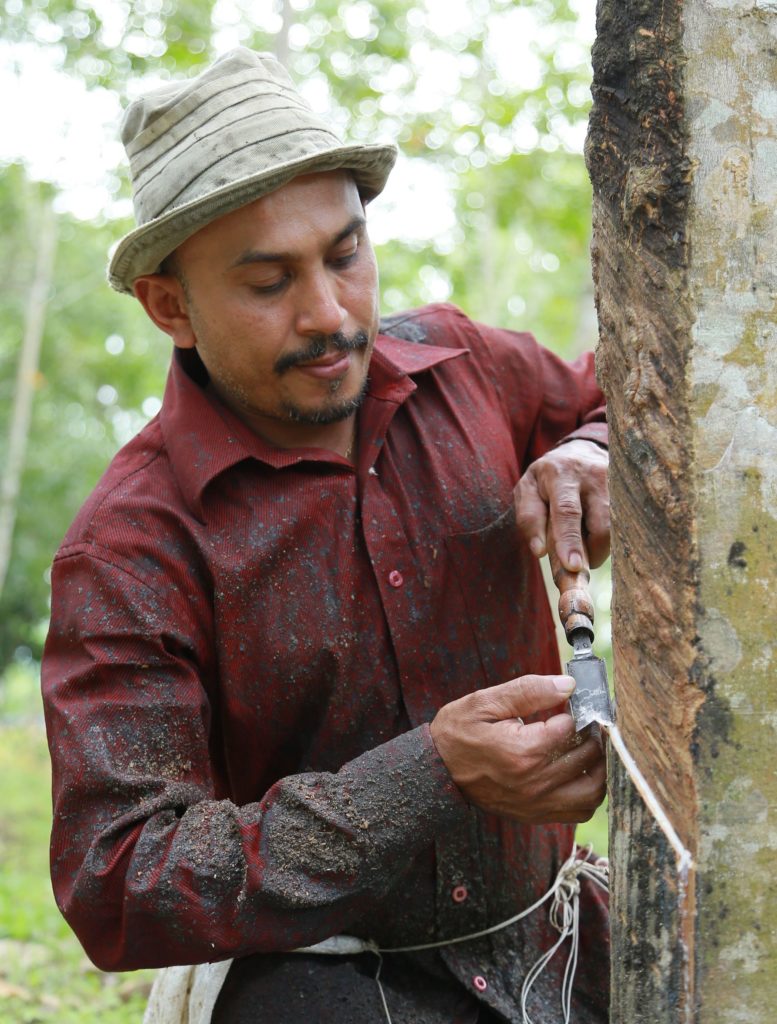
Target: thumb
(526,695)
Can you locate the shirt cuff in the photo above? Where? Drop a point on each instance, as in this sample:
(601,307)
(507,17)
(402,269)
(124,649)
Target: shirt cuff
(418,794)
(596,432)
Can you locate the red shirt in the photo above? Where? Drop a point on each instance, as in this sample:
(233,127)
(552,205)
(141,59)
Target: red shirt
(247,645)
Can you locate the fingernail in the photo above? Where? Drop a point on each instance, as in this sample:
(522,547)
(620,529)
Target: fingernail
(564,684)
(575,561)
(536,546)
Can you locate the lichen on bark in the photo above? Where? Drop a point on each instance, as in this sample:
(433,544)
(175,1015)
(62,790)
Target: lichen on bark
(682,152)
(732,100)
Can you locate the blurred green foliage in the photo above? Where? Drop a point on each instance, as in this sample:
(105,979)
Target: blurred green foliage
(498,136)
(88,397)
(516,252)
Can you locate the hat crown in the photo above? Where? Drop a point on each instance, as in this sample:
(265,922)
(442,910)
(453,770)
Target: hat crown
(149,112)
(241,115)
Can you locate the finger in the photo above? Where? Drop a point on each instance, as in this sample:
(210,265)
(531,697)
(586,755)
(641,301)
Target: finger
(588,790)
(578,799)
(566,524)
(531,513)
(596,518)
(572,802)
(519,698)
(542,741)
(579,760)
(598,548)
(556,747)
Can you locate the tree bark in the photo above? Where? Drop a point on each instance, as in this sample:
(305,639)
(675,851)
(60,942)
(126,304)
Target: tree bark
(27,371)
(682,152)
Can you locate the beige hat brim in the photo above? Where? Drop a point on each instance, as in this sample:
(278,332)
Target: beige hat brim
(142,250)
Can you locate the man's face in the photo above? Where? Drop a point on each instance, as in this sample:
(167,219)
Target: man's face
(282,300)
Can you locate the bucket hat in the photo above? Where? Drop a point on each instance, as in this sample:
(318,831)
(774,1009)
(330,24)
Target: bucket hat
(202,148)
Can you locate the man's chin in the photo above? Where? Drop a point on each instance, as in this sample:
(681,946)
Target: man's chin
(333,411)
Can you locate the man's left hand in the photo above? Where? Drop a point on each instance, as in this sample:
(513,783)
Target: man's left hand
(565,493)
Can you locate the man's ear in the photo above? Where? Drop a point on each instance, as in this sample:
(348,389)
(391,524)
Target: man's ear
(163,298)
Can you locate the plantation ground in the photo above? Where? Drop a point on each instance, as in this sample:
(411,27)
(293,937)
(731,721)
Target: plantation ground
(44,974)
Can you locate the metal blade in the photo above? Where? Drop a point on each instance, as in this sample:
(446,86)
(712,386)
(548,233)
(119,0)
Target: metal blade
(591,700)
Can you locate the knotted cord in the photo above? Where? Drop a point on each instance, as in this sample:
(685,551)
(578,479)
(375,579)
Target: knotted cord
(564,915)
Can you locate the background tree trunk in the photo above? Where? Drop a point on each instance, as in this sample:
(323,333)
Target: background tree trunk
(27,370)
(281,47)
(682,152)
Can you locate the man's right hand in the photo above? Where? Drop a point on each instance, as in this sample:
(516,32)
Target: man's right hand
(538,772)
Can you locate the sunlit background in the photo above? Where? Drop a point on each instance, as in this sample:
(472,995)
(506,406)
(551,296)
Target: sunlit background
(488,207)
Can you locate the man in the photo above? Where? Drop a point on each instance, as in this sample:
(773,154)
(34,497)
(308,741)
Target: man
(282,677)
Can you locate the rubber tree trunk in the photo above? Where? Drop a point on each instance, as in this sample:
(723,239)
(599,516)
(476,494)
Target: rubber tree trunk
(682,153)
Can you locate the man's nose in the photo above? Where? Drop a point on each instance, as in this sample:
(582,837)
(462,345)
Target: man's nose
(319,310)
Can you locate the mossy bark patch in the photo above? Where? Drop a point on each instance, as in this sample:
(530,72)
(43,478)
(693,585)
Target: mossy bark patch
(682,152)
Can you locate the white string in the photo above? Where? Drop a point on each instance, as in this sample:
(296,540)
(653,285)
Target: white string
(565,918)
(564,915)
(565,909)
(381,993)
(683,856)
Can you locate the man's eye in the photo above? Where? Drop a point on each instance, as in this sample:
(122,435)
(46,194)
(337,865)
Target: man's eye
(268,289)
(343,259)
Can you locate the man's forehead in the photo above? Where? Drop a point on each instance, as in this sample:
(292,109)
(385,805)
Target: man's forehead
(323,203)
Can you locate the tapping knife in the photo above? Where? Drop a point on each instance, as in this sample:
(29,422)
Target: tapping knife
(590,701)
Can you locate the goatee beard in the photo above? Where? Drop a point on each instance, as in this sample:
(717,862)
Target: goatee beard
(333,413)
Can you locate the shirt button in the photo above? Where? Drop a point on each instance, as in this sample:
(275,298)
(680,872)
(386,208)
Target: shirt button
(395,578)
(459,893)
(480,983)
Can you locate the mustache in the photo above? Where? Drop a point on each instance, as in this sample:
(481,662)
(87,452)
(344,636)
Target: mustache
(319,345)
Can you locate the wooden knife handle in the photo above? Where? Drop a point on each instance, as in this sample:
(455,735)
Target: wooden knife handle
(575,605)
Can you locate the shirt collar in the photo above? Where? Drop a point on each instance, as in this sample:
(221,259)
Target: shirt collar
(204,438)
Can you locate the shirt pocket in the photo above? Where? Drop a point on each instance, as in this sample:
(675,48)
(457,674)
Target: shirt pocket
(504,600)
